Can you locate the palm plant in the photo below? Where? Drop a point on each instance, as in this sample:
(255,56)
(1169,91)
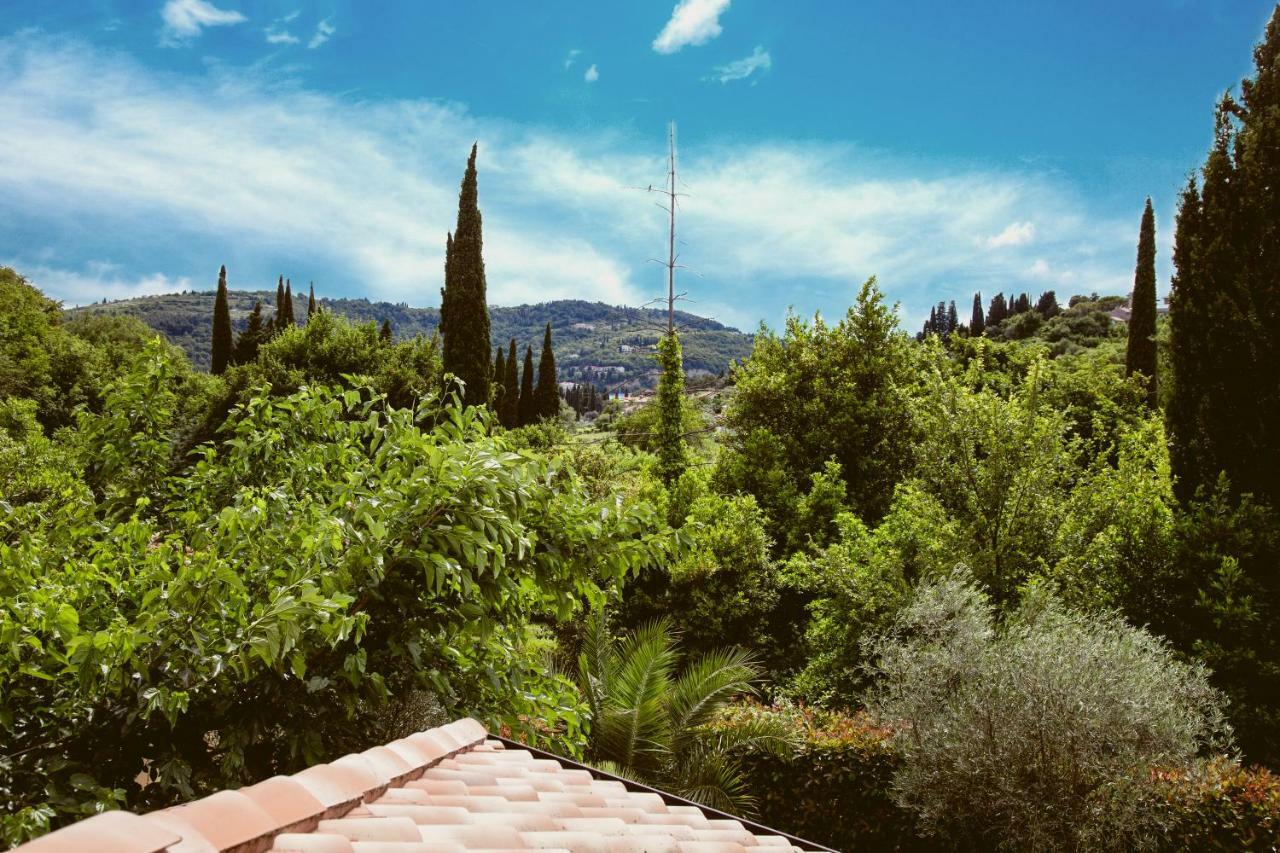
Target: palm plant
(649,715)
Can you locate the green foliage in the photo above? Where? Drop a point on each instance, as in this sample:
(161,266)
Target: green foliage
(464,307)
(640,427)
(977,319)
(509,411)
(648,708)
(328,351)
(252,337)
(547,392)
(832,785)
(669,430)
(722,585)
(1223,602)
(221,351)
(264,609)
(1141,355)
(527,407)
(65,366)
(1038,731)
(1002,468)
(1224,342)
(859,583)
(1217,805)
(822,392)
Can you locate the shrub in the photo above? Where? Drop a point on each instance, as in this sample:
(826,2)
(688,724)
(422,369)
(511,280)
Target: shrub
(1219,805)
(1038,732)
(832,785)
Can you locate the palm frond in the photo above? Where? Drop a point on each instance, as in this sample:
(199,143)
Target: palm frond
(635,729)
(707,685)
(712,778)
(759,735)
(597,662)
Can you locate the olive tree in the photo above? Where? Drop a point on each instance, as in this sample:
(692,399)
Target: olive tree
(1041,730)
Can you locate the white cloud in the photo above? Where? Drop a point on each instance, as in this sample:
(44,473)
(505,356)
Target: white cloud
(571,58)
(592,75)
(184,19)
(693,22)
(740,69)
(359,193)
(95,282)
(1014,234)
(324,30)
(275,36)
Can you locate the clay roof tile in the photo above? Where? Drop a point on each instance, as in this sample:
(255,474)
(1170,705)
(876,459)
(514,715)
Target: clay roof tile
(447,790)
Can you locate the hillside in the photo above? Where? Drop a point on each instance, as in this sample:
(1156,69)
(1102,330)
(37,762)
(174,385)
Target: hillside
(605,343)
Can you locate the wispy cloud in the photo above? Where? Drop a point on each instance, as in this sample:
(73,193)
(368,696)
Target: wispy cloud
(358,194)
(592,75)
(693,22)
(1014,234)
(185,19)
(324,31)
(740,69)
(277,36)
(571,57)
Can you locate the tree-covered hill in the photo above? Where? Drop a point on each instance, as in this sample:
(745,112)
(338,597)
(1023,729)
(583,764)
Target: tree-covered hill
(609,344)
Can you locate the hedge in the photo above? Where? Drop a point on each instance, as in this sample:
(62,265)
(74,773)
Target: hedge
(834,786)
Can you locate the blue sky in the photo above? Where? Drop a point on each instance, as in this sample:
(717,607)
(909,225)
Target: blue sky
(946,148)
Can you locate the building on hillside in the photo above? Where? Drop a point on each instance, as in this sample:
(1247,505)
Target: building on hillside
(1121,313)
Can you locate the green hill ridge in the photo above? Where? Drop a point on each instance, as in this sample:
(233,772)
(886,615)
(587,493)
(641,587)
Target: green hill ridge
(611,345)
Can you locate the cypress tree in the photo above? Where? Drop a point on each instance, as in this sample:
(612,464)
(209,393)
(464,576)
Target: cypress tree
(931,325)
(221,354)
(1140,357)
(528,407)
(279,321)
(547,393)
(384,334)
(251,338)
(672,448)
(288,303)
(1023,304)
(998,311)
(1223,401)
(499,382)
(1047,304)
(1225,336)
(509,414)
(953,321)
(464,311)
(311,301)
(977,322)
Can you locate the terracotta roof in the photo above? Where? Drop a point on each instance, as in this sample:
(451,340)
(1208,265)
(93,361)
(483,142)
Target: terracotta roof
(447,789)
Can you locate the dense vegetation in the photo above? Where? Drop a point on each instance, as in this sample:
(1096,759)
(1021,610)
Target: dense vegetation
(989,590)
